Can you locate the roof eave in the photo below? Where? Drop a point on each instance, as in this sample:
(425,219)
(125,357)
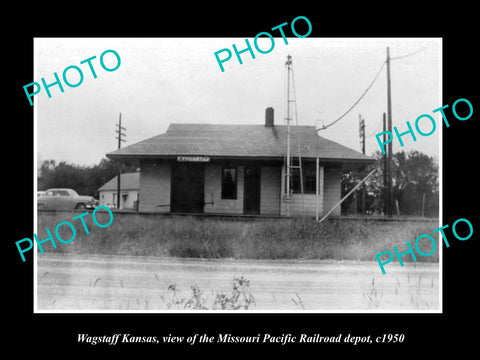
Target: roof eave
(239,157)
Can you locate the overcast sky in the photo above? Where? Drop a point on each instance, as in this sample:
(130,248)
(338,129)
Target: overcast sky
(177,80)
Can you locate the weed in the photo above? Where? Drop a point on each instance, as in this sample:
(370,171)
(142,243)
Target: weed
(416,299)
(397,286)
(196,302)
(409,296)
(298,302)
(372,296)
(173,302)
(239,298)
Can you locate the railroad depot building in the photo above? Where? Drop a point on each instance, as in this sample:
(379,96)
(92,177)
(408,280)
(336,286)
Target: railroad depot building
(239,169)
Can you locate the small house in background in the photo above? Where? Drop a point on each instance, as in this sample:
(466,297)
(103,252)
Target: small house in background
(129,191)
(240,169)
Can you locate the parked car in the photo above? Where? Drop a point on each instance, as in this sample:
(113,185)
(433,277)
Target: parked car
(65,199)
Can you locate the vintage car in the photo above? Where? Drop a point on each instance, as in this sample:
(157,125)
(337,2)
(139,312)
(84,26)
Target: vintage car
(65,199)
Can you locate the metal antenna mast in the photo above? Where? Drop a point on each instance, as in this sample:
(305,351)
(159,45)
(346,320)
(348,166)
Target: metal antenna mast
(288,174)
(289,166)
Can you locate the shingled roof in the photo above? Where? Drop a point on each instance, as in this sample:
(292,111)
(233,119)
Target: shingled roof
(240,141)
(128,181)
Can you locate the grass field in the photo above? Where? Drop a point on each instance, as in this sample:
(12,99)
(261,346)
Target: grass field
(194,237)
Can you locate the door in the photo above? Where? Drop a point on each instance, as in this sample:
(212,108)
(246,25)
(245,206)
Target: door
(49,200)
(188,184)
(251,192)
(57,200)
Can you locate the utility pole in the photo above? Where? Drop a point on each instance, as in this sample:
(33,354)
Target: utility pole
(385,168)
(389,148)
(361,124)
(120,140)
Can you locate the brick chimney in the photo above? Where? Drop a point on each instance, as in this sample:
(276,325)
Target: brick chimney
(269,117)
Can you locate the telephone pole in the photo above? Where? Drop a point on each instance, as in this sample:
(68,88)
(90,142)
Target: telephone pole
(389,146)
(120,140)
(385,168)
(361,124)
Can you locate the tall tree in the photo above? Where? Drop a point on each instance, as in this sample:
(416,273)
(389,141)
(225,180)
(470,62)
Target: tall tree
(414,177)
(83,179)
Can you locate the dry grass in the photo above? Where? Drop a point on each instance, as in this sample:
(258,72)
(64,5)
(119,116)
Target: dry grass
(215,238)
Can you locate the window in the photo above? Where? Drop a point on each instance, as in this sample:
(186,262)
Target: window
(229,183)
(57,193)
(309,180)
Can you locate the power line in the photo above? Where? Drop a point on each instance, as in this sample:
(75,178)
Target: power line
(376,130)
(369,86)
(407,55)
(356,102)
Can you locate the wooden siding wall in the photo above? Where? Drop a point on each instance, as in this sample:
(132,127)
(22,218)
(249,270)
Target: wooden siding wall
(109,198)
(213,187)
(155,190)
(154,186)
(269,192)
(332,192)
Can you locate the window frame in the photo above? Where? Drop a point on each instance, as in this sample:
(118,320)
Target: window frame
(235,180)
(296,174)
